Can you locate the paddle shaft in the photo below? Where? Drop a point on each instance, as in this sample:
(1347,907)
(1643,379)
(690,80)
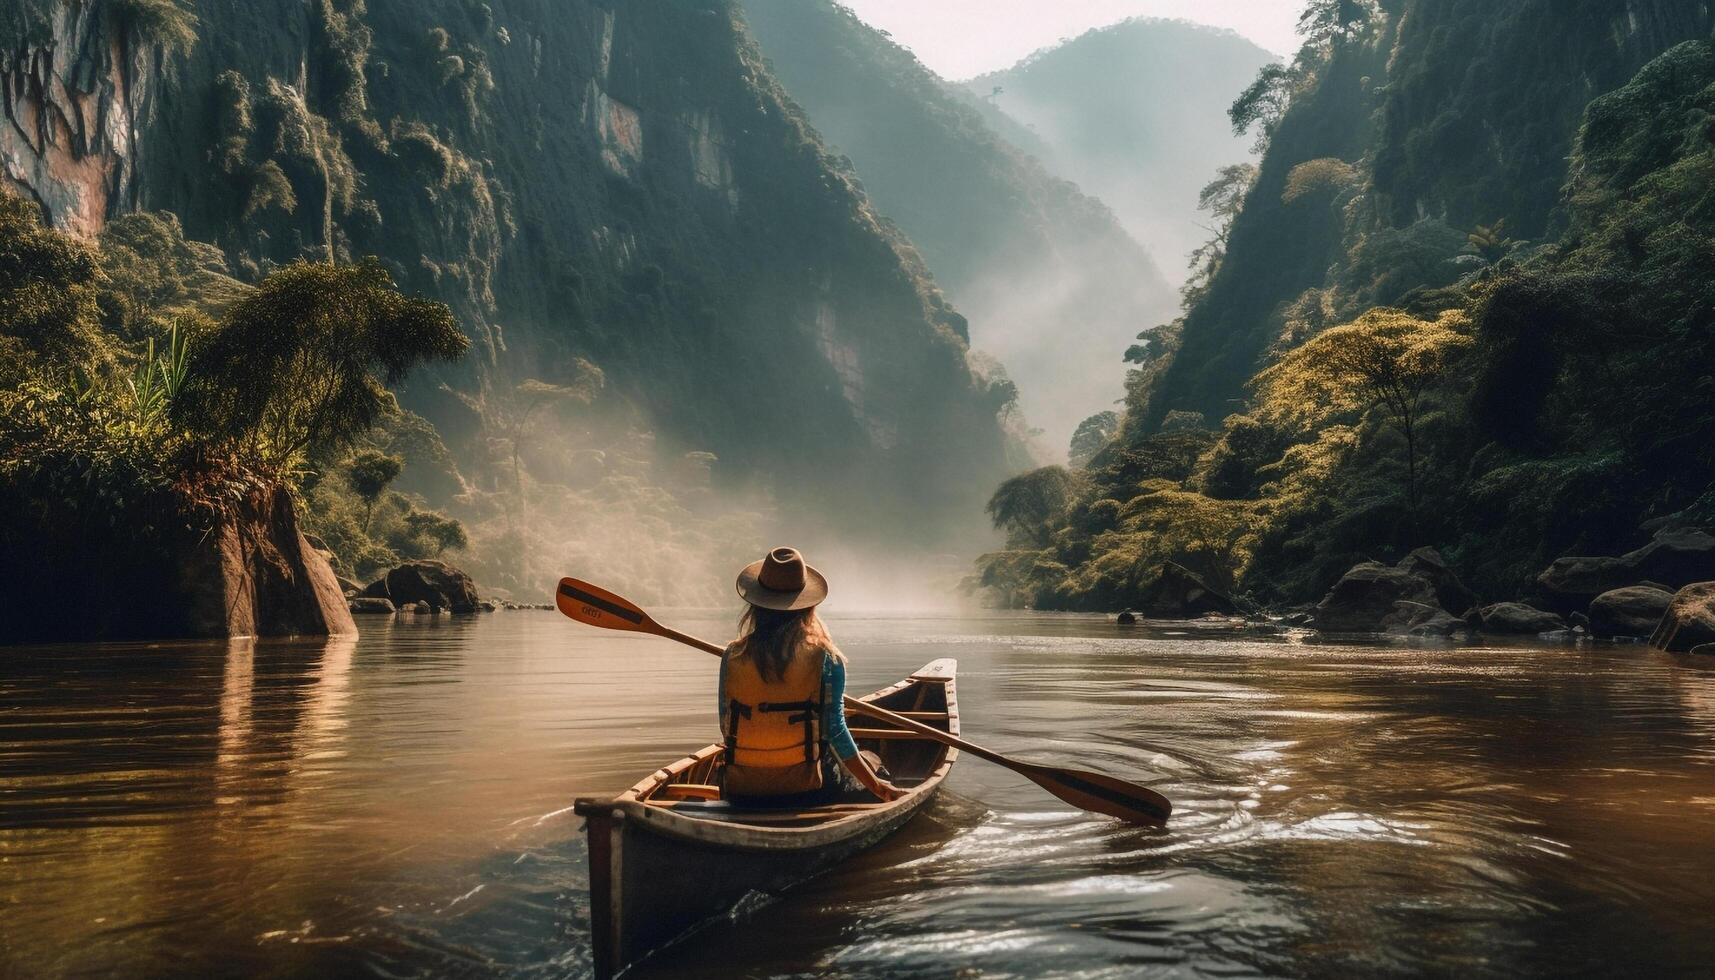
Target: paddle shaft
(595,606)
(1082,789)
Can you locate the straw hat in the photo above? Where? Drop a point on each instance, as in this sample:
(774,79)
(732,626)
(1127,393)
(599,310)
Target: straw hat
(782,581)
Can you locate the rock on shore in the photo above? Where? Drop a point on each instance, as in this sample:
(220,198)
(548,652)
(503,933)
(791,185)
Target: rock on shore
(436,583)
(1689,621)
(1674,557)
(251,574)
(1631,611)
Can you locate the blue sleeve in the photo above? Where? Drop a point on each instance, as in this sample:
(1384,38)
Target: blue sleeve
(834,730)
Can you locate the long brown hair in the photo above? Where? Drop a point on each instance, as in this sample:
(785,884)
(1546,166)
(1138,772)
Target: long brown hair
(770,637)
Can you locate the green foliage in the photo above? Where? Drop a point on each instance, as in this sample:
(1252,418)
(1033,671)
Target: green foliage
(369,474)
(155,276)
(157,381)
(306,358)
(1334,21)
(1221,199)
(1263,104)
(440,531)
(1091,436)
(1028,506)
(1559,394)
(1385,360)
(1312,177)
(48,288)
(161,23)
(1490,242)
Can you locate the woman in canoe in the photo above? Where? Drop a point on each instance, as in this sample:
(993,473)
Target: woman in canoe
(782,692)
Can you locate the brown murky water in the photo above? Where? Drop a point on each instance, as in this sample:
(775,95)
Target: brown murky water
(397,805)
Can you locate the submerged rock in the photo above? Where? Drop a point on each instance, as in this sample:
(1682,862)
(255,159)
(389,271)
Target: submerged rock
(1419,619)
(1632,611)
(1689,621)
(1518,618)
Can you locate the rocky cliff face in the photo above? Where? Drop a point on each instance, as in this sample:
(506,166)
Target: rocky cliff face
(622,182)
(75,95)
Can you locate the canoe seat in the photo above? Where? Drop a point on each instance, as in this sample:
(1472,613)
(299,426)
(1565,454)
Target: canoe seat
(688,791)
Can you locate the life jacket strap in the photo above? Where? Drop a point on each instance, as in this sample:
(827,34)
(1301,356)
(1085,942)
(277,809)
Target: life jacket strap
(735,709)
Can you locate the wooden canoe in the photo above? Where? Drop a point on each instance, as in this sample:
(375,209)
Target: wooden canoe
(667,856)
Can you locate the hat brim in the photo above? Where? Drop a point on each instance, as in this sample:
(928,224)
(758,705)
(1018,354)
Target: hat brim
(751,590)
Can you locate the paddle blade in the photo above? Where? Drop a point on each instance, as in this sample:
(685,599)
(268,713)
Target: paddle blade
(1097,793)
(596,606)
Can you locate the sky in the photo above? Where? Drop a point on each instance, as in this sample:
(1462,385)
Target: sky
(962,38)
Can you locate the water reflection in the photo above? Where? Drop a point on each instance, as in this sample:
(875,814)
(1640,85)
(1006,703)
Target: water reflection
(396,803)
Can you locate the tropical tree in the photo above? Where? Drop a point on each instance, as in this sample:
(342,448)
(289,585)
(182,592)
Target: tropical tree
(48,312)
(306,359)
(516,417)
(1211,537)
(442,532)
(1333,21)
(1222,199)
(1091,435)
(369,474)
(1029,507)
(1384,360)
(1264,102)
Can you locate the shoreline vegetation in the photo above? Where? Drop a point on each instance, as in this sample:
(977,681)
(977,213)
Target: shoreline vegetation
(1516,380)
(164,429)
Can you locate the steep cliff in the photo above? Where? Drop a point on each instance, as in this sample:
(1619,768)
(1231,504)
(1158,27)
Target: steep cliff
(1454,115)
(1044,273)
(618,182)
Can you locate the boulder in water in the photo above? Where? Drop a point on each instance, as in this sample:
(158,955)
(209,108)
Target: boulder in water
(1632,611)
(1450,593)
(1689,621)
(1518,618)
(251,573)
(371,605)
(434,582)
(1363,600)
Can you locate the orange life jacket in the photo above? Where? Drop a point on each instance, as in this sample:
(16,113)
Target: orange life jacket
(774,727)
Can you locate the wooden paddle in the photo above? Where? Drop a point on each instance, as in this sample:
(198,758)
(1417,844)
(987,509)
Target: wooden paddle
(1090,791)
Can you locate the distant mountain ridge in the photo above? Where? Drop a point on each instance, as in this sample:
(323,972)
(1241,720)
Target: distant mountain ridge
(1135,114)
(1050,282)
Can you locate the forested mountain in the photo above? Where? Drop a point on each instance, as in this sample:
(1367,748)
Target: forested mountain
(1049,281)
(1135,115)
(667,279)
(1459,305)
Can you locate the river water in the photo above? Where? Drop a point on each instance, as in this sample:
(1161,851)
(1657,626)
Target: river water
(398,805)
